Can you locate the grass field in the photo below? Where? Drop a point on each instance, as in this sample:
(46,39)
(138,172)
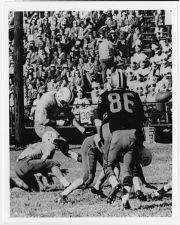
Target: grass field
(83,203)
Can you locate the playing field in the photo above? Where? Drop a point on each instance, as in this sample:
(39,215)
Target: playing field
(83,203)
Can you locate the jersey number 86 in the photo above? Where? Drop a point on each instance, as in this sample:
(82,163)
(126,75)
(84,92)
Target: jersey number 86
(119,102)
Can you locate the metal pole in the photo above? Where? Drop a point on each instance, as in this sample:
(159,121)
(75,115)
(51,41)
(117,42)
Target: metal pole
(18,78)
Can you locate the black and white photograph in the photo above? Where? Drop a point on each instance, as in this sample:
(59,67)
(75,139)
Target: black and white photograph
(91,112)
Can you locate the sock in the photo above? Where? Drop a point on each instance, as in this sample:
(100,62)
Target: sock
(64,182)
(137,184)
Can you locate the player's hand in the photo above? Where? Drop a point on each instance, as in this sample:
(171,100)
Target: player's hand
(60,122)
(64,171)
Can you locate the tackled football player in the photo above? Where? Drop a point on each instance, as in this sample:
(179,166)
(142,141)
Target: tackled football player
(91,154)
(125,116)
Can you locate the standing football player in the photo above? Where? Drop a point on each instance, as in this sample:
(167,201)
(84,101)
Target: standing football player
(126,117)
(49,107)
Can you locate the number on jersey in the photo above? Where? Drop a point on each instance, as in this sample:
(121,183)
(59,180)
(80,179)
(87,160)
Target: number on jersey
(119,102)
(85,115)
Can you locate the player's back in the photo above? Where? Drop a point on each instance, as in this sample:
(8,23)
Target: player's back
(124,109)
(47,107)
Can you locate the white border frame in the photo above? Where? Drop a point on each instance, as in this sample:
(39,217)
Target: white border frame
(52,6)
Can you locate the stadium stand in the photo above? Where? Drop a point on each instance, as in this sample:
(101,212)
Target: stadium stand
(63,48)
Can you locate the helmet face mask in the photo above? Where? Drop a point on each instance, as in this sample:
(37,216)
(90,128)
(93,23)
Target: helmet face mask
(63,103)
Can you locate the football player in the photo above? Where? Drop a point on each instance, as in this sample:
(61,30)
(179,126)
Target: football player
(38,158)
(91,154)
(126,117)
(48,108)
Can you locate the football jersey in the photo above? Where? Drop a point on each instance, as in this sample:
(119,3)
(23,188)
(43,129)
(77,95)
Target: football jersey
(36,151)
(123,107)
(47,110)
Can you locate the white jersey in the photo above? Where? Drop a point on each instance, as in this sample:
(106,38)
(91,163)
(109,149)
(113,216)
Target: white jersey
(47,110)
(36,151)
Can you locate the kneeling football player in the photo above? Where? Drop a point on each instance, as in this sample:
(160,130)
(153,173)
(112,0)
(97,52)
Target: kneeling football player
(38,158)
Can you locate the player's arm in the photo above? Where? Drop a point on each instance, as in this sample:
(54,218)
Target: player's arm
(74,155)
(78,126)
(75,123)
(45,155)
(99,116)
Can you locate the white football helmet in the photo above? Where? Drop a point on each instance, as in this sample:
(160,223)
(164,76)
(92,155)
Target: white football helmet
(118,79)
(145,156)
(64,95)
(49,137)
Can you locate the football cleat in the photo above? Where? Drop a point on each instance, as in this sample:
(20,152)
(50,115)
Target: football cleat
(12,183)
(63,199)
(125,201)
(140,195)
(158,195)
(98,192)
(125,206)
(112,197)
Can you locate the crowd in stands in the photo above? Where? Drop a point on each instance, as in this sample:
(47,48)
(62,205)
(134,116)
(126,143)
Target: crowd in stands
(78,49)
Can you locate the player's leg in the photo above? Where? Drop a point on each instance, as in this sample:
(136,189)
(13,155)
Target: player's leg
(89,165)
(101,178)
(108,156)
(59,175)
(19,184)
(138,178)
(73,186)
(111,161)
(32,182)
(97,189)
(128,141)
(27,179)
(49,165)
(127,180)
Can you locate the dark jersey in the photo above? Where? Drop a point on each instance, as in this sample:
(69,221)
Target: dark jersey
(123,108)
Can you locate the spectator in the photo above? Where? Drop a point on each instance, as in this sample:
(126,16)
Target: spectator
(106,54)
(139,55)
